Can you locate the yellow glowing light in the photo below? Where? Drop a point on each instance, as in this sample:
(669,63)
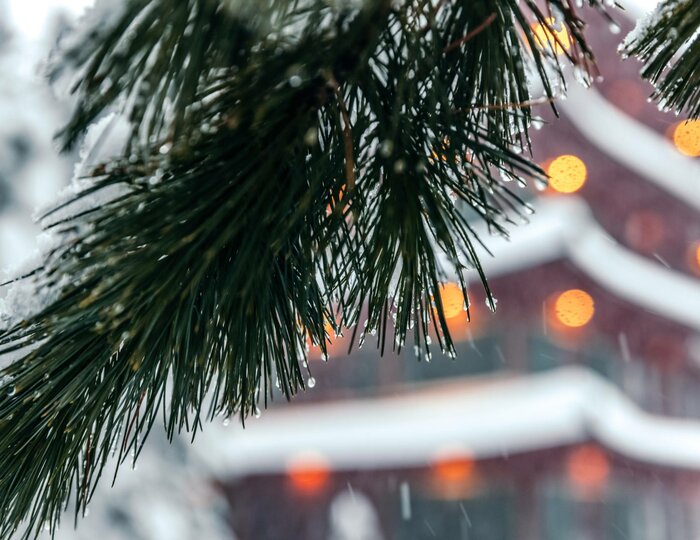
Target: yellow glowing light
(314,348)
(686,137)
(551,35)
(441,156)
(574,308)
(452,300)
(567,174)
(695,257)
(335,200)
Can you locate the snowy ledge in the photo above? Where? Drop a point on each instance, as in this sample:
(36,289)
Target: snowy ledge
(632,144)
(564,228)
(495,418)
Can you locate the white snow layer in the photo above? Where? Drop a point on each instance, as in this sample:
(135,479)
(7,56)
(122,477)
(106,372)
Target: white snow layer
(30,117)
(31,19)
(635,9)
(564,228)
(632,144)
(490,418)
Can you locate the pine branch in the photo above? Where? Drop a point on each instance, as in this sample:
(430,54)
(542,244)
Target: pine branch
(140,311)
(668,42)
(290,163)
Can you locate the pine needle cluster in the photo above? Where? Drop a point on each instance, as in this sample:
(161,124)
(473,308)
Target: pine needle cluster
(292,166)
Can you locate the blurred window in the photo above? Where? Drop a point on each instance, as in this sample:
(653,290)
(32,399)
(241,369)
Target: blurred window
(488,515)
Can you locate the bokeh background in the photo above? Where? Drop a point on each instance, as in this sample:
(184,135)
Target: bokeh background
(572,412)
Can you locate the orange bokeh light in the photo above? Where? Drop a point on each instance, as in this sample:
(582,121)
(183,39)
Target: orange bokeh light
(454,468)
(332,342)
(693,257)
(453,473)
(686,137)
(552,36)
(574,308)
(452,299)
(335,201)
(588,469)
(308,473)
(567,174)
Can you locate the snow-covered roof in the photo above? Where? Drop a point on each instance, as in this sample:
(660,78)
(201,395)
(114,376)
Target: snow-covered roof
(564,228)
(632,144)
(490,418)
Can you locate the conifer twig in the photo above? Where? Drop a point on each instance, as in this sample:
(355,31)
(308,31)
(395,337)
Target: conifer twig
(471,34)
(348,144)
(188,272)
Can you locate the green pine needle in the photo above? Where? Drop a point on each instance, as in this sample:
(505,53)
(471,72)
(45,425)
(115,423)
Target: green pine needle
(290,164)
(668,42)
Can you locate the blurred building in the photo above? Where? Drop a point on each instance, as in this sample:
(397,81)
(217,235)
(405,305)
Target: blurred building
(574,412)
